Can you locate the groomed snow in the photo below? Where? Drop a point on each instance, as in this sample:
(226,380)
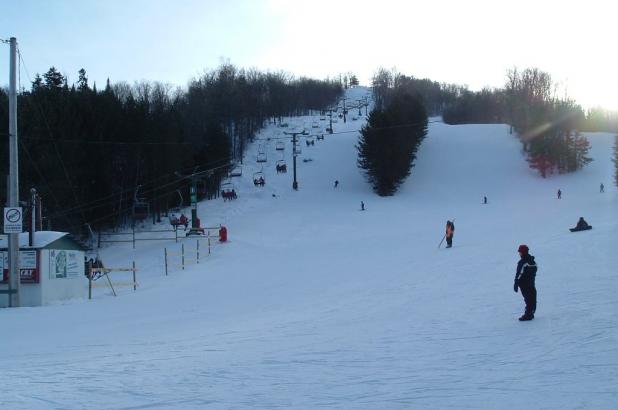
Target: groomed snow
(314,303)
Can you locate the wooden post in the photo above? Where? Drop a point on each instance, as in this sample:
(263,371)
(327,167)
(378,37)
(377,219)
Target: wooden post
(109,281)
(176,233)
(197,243)
(133,228)
(99,244)
(165,249)
(209,242)
(134,282)
(182,246)
(89,281)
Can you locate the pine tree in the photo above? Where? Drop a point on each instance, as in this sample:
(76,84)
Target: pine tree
(388,143)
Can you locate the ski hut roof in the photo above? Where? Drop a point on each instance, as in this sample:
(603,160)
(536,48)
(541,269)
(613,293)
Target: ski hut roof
(45,240)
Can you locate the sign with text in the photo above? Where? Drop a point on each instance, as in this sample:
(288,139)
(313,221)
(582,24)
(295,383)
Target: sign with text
(28,270)
(13,217)
(65,264)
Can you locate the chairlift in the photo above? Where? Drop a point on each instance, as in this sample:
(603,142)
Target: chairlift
(310,141)
(320,137)
(281,166)
(261,149)
(315,124)
(141,208)
(228,191)
(236,171)
(258,179)
(261,157)
(280,146)
(322,118)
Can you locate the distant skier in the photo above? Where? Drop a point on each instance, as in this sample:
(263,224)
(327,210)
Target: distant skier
(602,188)
(524,279)
(450,231)
(336,183)
(559,194)
(485,200)
(362,206)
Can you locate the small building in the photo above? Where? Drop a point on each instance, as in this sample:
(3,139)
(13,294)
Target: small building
(52,269)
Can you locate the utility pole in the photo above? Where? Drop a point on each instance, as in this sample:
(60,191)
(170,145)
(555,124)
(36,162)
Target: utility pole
(330,114)
(294,134)
(14,277)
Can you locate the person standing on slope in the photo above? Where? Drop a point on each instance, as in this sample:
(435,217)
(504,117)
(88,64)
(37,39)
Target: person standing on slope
(450,231)
(559,194)
(524,279)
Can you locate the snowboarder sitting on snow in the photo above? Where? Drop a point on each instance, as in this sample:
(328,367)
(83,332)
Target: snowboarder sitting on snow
(582,225)
(524,280)
(450,230)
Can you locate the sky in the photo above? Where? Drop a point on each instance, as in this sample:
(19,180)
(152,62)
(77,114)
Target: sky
(471,43)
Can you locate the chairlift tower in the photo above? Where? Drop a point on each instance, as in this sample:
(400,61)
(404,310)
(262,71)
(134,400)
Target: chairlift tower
(294,134)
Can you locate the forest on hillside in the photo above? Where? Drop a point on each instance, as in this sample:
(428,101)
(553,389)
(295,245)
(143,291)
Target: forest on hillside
(93,153)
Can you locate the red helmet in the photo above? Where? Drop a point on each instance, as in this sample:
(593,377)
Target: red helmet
(522,249)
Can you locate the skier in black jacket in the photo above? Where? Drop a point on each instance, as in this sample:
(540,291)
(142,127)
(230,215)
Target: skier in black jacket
(524,280)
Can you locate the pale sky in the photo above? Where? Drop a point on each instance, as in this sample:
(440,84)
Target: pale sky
(471,42)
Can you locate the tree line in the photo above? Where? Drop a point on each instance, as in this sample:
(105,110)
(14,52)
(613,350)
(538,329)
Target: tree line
(92,154)
(548,126)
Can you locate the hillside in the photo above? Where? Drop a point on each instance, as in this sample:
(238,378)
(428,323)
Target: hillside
(314,303)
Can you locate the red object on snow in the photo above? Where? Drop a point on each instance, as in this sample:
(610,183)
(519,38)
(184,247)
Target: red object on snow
(222,234)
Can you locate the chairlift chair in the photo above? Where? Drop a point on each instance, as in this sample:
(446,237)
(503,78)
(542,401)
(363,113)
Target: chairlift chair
(261,157)
(258,179)
(228,191)
(282,166)
(236,171)
(141,208)
(280,146)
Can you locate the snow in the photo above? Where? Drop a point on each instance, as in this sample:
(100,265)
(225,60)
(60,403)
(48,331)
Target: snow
(313,303)
(41,239)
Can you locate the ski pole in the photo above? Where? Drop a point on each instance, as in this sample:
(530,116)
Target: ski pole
(440,244)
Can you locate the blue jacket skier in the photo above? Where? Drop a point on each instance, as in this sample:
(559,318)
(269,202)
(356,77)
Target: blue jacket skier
(525,276)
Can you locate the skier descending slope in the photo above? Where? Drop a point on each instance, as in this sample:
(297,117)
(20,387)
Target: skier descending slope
(450,231)
(524,279)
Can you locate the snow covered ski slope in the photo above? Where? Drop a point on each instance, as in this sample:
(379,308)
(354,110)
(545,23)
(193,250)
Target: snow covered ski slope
(315,304)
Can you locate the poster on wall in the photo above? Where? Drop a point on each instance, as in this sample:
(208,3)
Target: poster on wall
(65,264)
(28,271)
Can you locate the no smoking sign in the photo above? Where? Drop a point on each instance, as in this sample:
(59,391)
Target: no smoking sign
(13,220)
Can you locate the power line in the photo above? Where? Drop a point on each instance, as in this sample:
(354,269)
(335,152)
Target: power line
(104,142)
(353,131)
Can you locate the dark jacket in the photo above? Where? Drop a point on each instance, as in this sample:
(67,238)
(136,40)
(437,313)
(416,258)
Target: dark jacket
(526,268)
(581,224)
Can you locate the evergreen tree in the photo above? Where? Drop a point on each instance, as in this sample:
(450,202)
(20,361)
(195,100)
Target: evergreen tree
(53,79)
(82,81)
(388,143)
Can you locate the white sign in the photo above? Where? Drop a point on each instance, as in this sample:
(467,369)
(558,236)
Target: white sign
(65,264)
(13,220)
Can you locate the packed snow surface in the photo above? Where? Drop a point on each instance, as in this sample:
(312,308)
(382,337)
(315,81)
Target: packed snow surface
(314,303)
